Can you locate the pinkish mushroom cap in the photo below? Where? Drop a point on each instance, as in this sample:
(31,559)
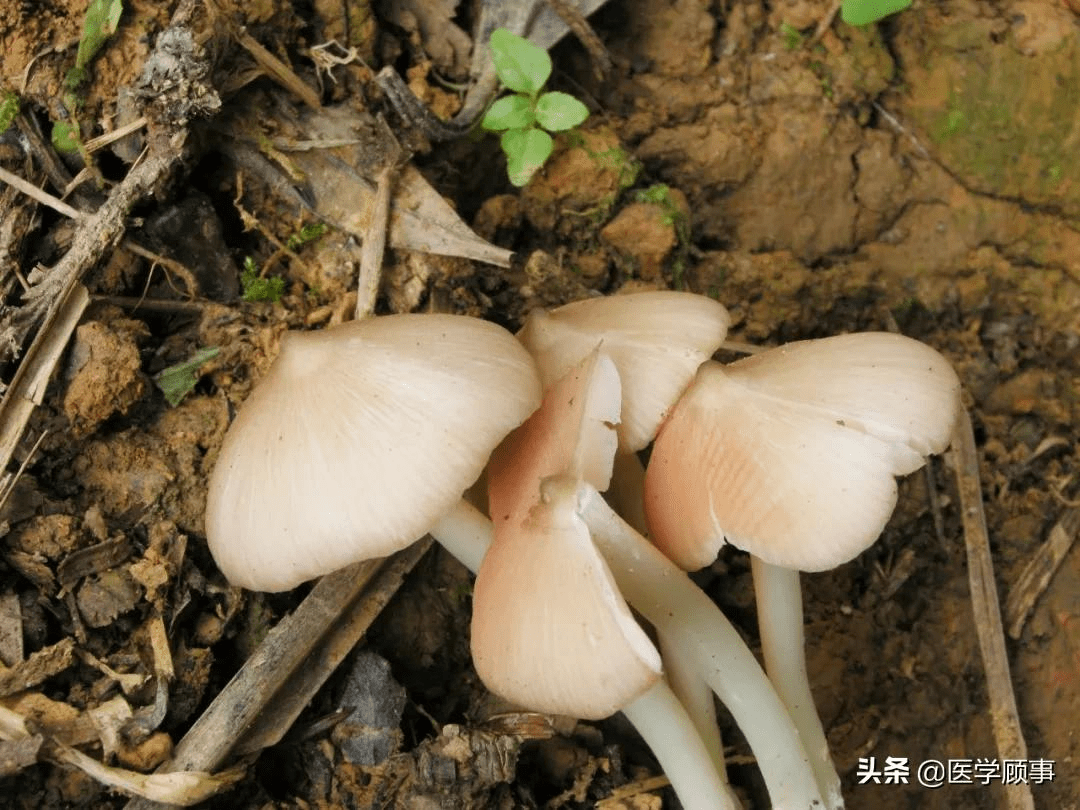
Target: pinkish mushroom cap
(656,339)
(550,630)
(572,433)
(792,454)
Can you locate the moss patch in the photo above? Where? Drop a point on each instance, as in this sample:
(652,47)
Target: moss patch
(1003,121)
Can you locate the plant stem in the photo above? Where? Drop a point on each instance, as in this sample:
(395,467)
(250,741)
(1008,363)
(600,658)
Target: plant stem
(662,721)
(677,608)
(780,623)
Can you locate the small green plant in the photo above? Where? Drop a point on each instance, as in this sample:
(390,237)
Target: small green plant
(793,37)
(100,23)
(177,381)
(524,116)
(9,108)
(308,233)
(258,288)
(864,12)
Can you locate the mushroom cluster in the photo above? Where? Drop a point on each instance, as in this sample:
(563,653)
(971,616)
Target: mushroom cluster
(379,426)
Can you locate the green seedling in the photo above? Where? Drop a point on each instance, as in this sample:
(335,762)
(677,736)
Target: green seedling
(793,37)
(257,287)
(177,381)
(100,23)
(864,12)
(526,117)
(308,233)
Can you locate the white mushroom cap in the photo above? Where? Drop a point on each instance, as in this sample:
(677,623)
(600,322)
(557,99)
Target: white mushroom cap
(791,454)
(358,439)
(572,433)
(550,630)
(656,339)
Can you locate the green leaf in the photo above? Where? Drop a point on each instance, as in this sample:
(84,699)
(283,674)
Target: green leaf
(864,12)
(521,66)
(557,112)
(177,381)
(526,150)
(509,112)
(102,18)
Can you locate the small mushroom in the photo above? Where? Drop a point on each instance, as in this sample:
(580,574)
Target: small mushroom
(358,440)
(572,433)
(656,339)
(543,599)
(792,455)
(550,630)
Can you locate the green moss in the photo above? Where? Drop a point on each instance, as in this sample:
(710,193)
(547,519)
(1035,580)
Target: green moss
(9,108)
(1009,124)
(308,233)
(258,288)
(793,38)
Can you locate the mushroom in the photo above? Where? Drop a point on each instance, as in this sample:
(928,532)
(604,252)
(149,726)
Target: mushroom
(361,438)
(657,340)
(792,455)
(527,618)
(550,630)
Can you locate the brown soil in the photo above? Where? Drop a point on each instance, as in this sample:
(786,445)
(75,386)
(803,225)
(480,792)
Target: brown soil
(918,175)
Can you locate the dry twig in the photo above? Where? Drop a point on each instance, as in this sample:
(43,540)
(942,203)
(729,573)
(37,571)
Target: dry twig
(263,699)
(984,602)
(1038,572)
(374,247)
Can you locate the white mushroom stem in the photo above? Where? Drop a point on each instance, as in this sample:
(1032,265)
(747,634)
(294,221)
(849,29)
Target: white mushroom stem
(780,621)
(683,675)
(657,714)
(680,610)
(686,682)
(662,721)
(465,532)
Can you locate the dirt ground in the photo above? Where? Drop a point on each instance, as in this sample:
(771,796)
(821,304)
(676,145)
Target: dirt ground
(918,175)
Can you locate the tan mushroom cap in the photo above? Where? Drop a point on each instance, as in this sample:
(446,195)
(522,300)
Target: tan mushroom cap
(572,433)
(550,630)
(358,439)
(657,340)
(792,454)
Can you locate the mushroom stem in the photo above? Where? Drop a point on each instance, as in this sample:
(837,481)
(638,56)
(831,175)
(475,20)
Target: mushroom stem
(662,721)
(684,678)
(465,532)
(780,620)
(683,675)
(657,714)
(681,611)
